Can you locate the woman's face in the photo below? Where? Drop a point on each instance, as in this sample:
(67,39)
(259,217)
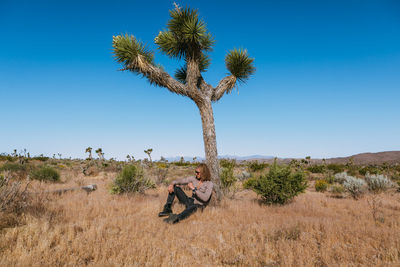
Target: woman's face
(198,173)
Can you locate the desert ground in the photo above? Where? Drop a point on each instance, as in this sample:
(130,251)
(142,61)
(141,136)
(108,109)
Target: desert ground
(101,229)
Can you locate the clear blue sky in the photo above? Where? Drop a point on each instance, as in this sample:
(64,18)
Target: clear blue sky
(327,81)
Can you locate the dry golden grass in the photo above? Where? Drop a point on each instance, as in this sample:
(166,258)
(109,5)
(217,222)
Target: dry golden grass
(100,229)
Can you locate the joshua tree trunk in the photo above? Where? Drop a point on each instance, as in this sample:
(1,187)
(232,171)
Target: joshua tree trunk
(210,143)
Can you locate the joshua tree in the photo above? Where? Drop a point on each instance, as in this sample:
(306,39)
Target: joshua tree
(148,152)
(100,153)
(187,38)
(89,150)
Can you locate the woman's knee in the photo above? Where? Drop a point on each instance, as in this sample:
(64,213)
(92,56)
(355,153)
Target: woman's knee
(177,188)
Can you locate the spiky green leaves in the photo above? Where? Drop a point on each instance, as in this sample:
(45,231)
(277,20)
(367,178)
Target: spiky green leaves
(126,50)
(186,35)
(239,63)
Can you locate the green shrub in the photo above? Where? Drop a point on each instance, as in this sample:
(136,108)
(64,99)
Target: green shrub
(250,183)
(13,167)
(321,185)
(317,168)
(227,177)
(368,169)
(352,170)
(330,179)
(227,163)
(5,157)
(41,158)
(255,166)
(279,185)
(46,173)
(337,189)
(181,163)
(131,180)
(336,168)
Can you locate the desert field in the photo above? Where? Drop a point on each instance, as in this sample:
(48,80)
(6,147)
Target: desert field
(101,229)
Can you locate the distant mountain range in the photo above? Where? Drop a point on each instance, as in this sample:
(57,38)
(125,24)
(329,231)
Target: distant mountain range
(360,159)
(252,157)
(370,158)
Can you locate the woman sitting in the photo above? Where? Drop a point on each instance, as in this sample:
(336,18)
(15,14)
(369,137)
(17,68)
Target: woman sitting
(201,187)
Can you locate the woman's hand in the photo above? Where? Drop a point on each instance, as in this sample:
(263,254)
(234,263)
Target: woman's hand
(170,188)
(191,186)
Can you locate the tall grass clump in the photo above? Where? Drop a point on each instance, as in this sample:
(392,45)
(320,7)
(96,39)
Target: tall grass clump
(131,180)
(13,201)
(46,173)
(17,170)
(279,186)
(378,182)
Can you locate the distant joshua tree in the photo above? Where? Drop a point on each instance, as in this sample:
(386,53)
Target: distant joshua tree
(148,152)
(89,150)
(100,153)
(187,38)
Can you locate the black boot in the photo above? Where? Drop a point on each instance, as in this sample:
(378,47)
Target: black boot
(173,218)
(166,211)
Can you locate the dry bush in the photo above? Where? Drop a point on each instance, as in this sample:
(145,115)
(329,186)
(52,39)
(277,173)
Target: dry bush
(378,182)
(16,203)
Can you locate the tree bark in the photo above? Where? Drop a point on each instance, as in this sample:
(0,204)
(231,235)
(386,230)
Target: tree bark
(210,143)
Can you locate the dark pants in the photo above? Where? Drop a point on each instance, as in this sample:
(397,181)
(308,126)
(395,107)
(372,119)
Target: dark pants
(185,200)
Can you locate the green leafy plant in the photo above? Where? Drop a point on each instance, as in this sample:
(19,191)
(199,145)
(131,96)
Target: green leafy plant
(255,166)
(317,168)
(368,169)
(226,176)
(336,168)
(6,157)
(321,185)
(280,185)
(337,189)
(131,180)
(46,173)
(250,183)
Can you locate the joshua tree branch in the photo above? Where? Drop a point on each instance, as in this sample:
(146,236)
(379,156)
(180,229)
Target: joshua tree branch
(225,86)
(157,76)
